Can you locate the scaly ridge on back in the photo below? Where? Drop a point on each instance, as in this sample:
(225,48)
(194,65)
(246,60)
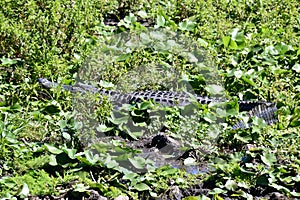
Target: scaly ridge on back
(261,109)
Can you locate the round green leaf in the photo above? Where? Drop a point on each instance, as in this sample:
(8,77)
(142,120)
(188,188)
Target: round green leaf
(52,149)
(141,187)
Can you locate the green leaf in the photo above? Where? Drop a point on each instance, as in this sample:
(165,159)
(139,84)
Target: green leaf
(258,122)
(130,18)
(282,48)
(134,134)
(231,185)
(295,194)
(52,149)
(62,124)
(77,56)
(16,107)
(241,193)
(238,73)
(141,187)
(92,159)
(130,176)
(118,120)
(145,105)
(202,42)
(138,162)
(70,152)
(221,112)
(297,178)
(145,39)
(234,33)
(295,123)
(67,136)
(25,191)
(271,50)
(52,160)
(226,41)
(103,128)
(195,198)
(160,21)
(233,45)
(238,37)
(217,191)
(268,158)
(296,67)
(187,25)
(8,61)
(136,113)
(112,164)
(106,84)
(169,172)
(123,57)
(244,139)
(279,187)
(232,107)
(142,14)
(80,188)
(215,89)
(209,117)
(249,81)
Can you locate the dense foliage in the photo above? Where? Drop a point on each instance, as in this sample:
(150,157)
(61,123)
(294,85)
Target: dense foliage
(254,44)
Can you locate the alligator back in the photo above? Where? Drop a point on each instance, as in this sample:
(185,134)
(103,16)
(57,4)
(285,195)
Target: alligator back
(261,109)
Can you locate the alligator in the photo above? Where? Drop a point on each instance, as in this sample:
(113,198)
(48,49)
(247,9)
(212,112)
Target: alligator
(261,109)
